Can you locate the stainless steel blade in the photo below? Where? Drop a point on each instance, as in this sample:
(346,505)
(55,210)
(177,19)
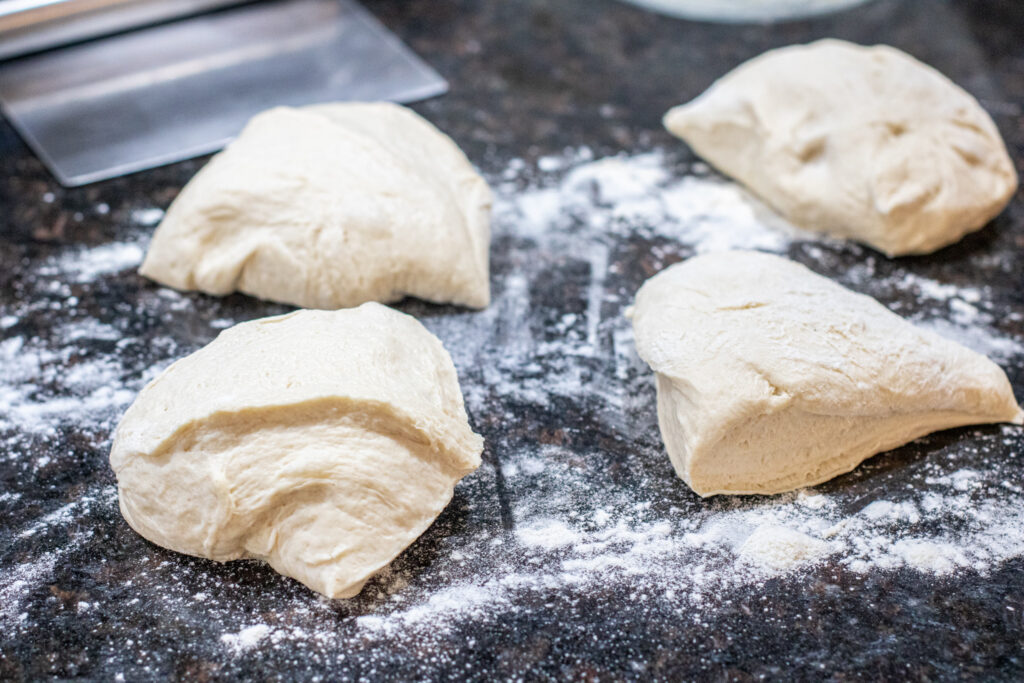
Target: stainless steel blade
(162,94)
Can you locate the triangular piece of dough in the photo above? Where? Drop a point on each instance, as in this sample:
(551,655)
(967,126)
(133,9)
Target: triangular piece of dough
(771,377)
(330,206)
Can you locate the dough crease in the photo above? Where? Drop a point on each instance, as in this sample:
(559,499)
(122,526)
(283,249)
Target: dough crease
(322,442)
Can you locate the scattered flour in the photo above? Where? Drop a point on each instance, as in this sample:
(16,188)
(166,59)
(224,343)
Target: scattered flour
(18,581)
(933,556)
(780,548)
(148,217)
(641,195)
(86,265)
(247,638)
(547,534)
(43,388)
(579,209)
(570,527)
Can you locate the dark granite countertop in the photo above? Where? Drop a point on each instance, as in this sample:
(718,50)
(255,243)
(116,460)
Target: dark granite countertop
(496,588)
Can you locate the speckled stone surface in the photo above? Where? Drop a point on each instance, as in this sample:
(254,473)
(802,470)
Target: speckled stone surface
(529,78)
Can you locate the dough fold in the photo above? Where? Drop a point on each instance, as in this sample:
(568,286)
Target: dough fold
(863,143)
(321,442)
(771,378)
(330,206)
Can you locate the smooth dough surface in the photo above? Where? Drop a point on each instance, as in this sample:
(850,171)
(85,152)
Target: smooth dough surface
(771,377)
(323,442)
(330,206)
(864,143)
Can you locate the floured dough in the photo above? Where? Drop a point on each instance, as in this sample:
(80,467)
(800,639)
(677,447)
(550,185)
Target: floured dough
(771,378)
(323,442)
(330,206)
(864,143)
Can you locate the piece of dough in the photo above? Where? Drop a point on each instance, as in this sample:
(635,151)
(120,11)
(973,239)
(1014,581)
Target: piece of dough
(771,378)
(323,442)
(331,206)
(864,143)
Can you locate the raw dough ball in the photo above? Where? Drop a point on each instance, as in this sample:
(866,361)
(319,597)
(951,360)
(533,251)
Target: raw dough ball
(863,143)
(330,206)
(322,442)
(771,378)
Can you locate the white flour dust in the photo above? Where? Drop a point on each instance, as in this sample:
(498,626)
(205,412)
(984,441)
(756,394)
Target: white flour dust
(44,388)
(16,583)
(572,527)
(85,265)
(951,519)
(577,208)
(247,638)
(637,195)
(148,217)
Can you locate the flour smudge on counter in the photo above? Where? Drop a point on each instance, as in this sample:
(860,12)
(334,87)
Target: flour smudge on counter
(86,265)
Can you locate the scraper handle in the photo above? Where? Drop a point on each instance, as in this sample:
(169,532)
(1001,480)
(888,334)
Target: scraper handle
(33,25)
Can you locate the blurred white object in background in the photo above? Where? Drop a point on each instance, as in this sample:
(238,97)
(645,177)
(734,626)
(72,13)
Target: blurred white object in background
(735,11)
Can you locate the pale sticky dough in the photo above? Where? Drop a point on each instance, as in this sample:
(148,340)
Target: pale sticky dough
(864,143)
(771,377)
(330,206)
(323,442)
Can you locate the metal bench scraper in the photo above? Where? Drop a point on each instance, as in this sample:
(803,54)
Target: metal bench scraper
(162,93)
